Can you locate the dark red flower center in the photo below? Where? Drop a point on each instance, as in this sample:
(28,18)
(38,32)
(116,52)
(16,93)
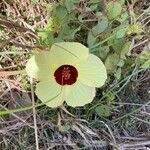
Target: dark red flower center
(66,75)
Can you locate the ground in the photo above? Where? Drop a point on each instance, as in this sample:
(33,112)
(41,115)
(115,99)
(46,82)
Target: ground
(117,32)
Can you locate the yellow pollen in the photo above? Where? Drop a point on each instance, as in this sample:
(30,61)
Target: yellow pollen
(66,73)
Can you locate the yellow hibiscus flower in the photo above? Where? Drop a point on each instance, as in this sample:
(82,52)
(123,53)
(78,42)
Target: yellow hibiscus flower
(68,72)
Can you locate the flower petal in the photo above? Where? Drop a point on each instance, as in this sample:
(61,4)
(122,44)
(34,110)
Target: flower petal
(79,94)
(92,72)
(69,52)
(50,93)
(39,66)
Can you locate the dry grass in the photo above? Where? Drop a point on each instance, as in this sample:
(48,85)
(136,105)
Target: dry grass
(127,128)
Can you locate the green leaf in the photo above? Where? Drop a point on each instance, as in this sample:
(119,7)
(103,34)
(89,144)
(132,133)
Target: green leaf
(64,128)
(53,24)
(143,59)
(121,2)
(69,5)
(49,133)
(67,33)
(103,110)
(109,96)
(111,62)
(46,37)
(103,52)
(73,32)
(61,12)
(124,16)
(34,1)
(116,44)
(49,8)
(97,124)
(146,65)
(114,9)
(100,27)
(121,63)
(126,50)
(129,62)
(88,9)
(118,73)
(98,14)
(91,39)
(121,33)
(93,7)
(94,1)
(135,28)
